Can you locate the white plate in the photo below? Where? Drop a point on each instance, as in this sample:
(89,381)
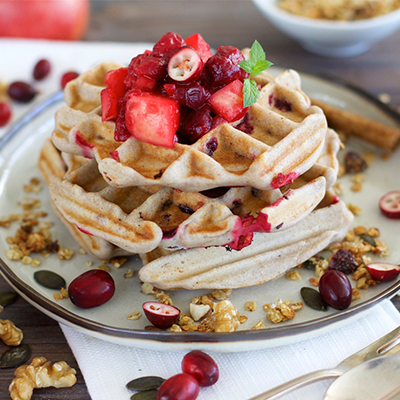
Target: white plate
(19,150)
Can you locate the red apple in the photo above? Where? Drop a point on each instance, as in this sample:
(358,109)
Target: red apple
(50,19)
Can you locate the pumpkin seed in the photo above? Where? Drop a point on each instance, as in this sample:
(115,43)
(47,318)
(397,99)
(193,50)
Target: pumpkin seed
(146,395)
(313,298)
(368,238)
(8,298)
(312,262)
(15,356)
(145,383)
(49,279)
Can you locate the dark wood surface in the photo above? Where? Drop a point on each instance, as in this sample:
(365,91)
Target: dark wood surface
(221,22)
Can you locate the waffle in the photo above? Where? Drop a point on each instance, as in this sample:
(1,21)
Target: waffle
(285,139)
(141,218)
(52,165)
(268,257)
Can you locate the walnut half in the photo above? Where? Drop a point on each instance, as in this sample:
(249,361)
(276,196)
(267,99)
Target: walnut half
(40,374)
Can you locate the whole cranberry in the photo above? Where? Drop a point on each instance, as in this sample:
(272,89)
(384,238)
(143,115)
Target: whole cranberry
(198,123)
(179,387)
(5,113)
(201,366)
(21,91)
(41,69)
(91,289)
(222,68)
(335,289)
(168,42)
(68,76)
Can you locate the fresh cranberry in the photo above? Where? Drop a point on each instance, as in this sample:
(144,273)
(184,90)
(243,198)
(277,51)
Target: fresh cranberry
(168,42)
(335,289)
(21,91)
(5,113)
(185,65)
(91,289)
(179,387)
(68,76)
(160,315)
(201,366)
(222,68)
(41,69)
(343,261)
(198,123)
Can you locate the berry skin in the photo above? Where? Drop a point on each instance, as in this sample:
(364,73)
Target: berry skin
(41,69)
(335,289)
(168,42)
(68,76)
(179,387)
(201,366)
(390,204)
(21,92)
(91,289)
(5,113)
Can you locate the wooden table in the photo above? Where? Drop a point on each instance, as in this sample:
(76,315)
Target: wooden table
(221,22)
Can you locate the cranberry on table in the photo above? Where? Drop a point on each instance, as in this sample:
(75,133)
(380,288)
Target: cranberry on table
(91,289)
(5,113)
(21,91)
(201,366)
(335,289)
(41,69)
(179,387)
(68,76)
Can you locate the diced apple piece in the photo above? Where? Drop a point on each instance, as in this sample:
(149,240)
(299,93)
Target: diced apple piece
(152,118)
(109,105)
(200,45)
(228,101)
(114,80)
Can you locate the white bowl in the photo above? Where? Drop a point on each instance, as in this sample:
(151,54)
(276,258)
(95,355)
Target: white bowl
(331,38)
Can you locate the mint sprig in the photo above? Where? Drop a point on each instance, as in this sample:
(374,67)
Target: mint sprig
(254,66)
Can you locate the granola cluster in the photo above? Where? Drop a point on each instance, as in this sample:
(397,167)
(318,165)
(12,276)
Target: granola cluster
(33,235)
(341,10)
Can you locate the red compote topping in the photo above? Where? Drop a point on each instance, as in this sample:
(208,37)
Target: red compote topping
(178,91)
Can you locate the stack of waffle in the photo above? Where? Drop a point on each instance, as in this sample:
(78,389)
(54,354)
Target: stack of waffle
(261,187)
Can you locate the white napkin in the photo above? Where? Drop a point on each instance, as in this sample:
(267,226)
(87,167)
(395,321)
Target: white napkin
(107,367)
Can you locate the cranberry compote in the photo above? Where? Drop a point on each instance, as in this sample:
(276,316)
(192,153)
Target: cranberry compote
(335,289)
(179,387)
(201,366)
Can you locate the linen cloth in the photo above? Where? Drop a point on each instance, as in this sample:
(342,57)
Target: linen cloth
(108,367)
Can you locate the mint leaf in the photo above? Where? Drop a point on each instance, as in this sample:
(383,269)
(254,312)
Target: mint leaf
(261,66)
(256,52)
(254,66)
(250,92)
(247,66)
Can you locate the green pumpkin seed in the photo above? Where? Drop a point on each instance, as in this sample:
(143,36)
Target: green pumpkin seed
(313,298)
(312,262)
(15,356)
(145,383)
(49,279)
(146,395)
(8,298)
(368,239)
